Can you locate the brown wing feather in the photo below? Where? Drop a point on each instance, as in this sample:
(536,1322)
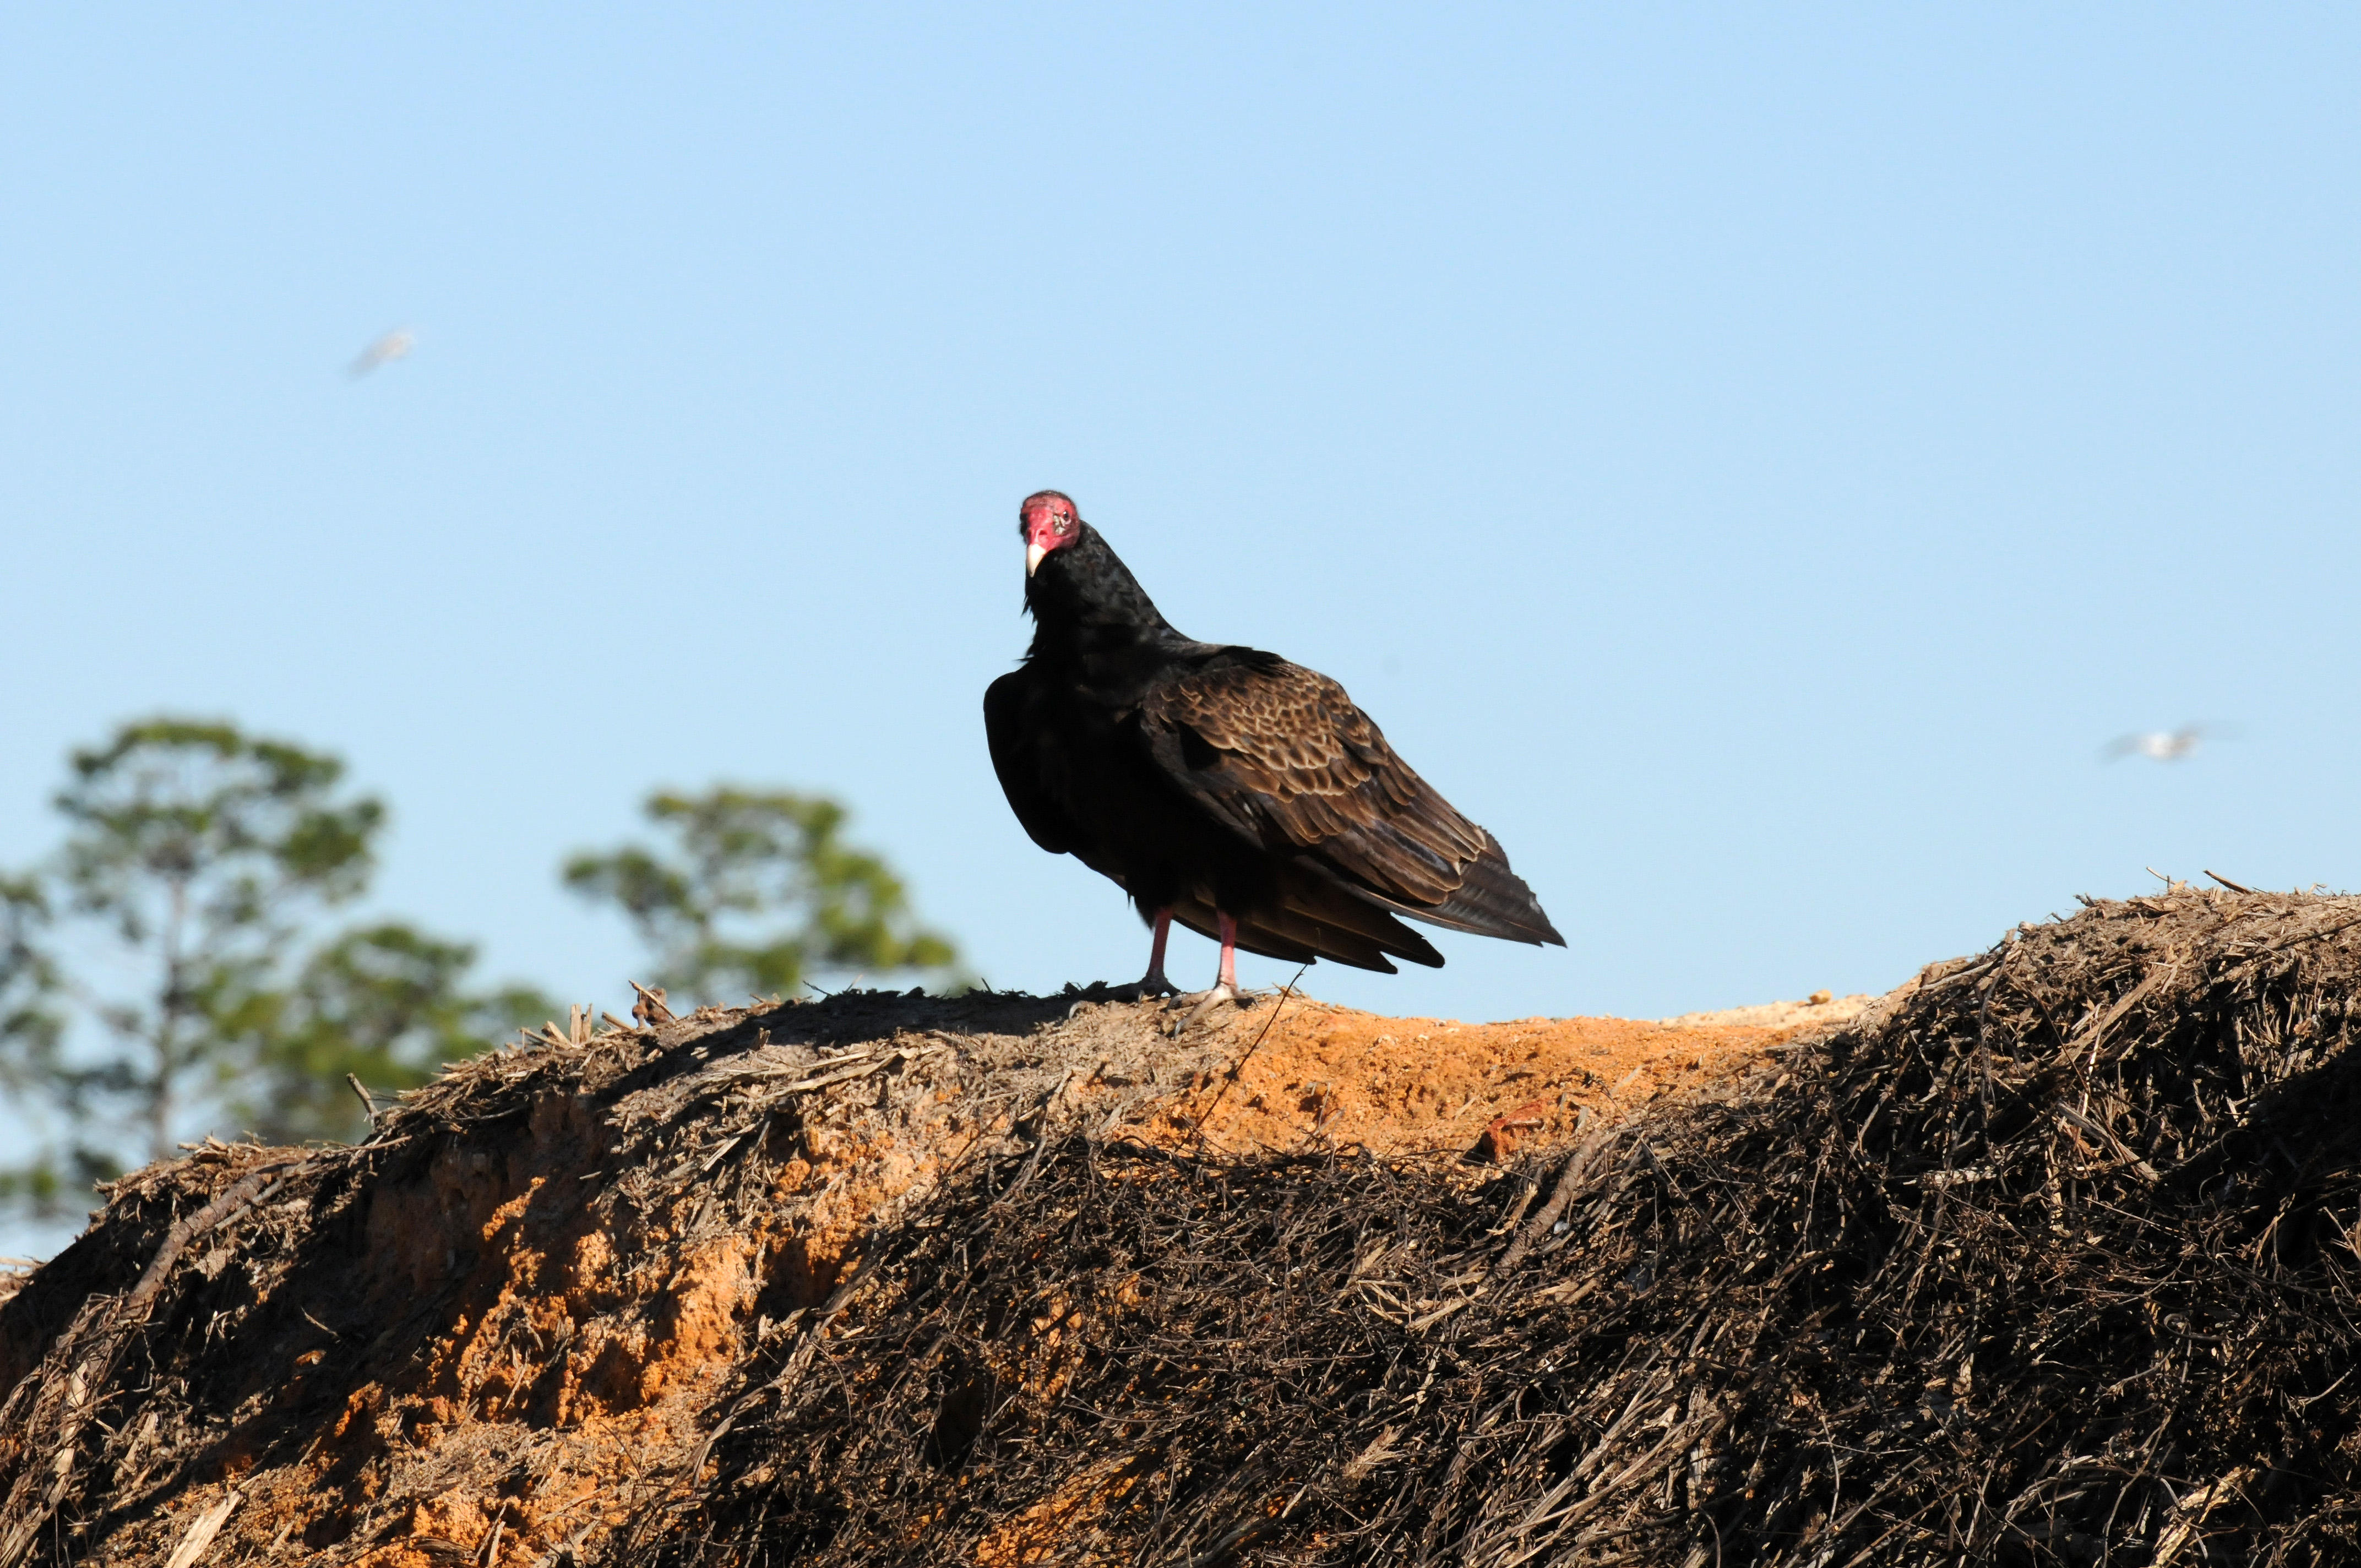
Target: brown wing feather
(1281,754)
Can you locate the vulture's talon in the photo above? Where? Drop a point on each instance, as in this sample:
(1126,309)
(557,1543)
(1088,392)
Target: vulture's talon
(1203,1001)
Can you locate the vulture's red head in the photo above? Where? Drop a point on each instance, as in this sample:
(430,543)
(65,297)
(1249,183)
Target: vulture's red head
(1049,521)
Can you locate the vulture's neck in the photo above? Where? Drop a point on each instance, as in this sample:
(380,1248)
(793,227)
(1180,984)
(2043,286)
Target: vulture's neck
(1090,613)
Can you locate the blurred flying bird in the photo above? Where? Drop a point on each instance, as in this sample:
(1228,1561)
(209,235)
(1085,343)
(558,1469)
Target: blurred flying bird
(1223,787)
(2159,745)
(395,345)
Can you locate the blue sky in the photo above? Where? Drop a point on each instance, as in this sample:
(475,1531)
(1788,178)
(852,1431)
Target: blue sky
(1751,460)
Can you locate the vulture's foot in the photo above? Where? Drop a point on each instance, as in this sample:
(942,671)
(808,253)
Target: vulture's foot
(1150,985)
(1200,1002)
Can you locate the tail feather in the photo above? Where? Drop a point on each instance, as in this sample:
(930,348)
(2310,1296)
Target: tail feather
(1293,932)
(1325,907)
(1494,901)
(1323,913)
(1294,938)
(1491,900)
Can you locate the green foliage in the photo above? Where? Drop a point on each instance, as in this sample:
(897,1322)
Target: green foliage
(758,891)
(196,860)
(197,835)
(30,1024)
(198,850)
(386,1004)
(31,1027)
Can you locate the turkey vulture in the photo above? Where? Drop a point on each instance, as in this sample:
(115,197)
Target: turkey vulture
(1224,787)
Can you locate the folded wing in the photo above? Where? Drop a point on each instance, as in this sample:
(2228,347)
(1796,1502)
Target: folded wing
(1014,734)
(1282,757)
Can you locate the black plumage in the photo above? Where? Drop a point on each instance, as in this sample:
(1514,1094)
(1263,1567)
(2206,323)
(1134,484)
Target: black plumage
(1210,780)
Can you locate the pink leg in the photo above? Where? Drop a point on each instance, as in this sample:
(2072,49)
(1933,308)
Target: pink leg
(1226,988)
(1156,981)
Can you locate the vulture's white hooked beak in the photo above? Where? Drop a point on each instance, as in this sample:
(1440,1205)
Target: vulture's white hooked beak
(1033,554)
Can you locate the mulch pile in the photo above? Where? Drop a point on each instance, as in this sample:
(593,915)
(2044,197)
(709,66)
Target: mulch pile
(2047,1258)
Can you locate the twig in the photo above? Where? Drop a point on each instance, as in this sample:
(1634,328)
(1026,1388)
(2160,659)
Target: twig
(1230,1075)
(1041,1137)
(202,1531)
(491,1552)
(1569,1177)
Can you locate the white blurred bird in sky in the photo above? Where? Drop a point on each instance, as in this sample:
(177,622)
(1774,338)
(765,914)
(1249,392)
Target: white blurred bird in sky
(395,345)
(2160,745)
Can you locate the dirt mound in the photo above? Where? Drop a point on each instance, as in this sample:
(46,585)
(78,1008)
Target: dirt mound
(2046,1257)
(515,1309)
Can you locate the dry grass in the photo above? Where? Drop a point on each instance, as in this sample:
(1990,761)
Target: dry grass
(2047,1260)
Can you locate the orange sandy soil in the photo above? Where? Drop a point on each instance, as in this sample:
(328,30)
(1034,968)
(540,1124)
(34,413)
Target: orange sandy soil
(1411,1085)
